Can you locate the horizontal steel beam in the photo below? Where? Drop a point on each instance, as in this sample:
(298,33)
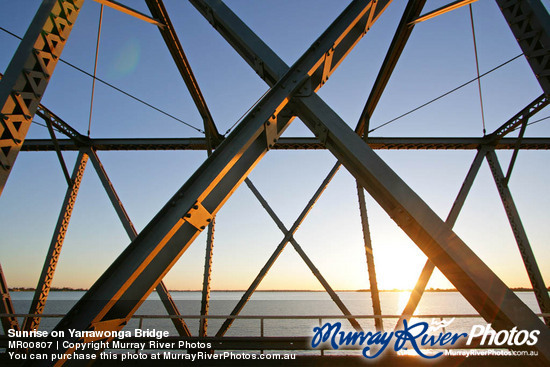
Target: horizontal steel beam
(378,143)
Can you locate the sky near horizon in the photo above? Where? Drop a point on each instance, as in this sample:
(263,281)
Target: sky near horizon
(132,56)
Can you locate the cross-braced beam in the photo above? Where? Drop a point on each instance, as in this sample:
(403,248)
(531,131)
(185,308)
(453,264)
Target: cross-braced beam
(130,279)
(480,286)
(288,237)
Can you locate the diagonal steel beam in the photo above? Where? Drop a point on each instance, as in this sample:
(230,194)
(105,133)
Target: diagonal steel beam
(254,51)
(119,292)
(52,257)
(58,152)
(515,152)
(530,23)
(494,301)
(127,10)
(176,50)
(302,253)
(28,74)
(161,289)
(519,118)
(429,267)
(246,296)
(529,259)
(6,306)
(479,285)
(442,10)
(404,30)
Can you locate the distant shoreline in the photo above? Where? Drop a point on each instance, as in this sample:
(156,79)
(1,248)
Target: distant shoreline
(67,289)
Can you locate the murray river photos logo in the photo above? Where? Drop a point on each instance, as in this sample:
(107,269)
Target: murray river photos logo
(419,336)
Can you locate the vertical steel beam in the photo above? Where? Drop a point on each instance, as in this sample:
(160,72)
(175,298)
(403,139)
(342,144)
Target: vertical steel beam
(207,277)
(530,23)
(28,74)
(336,299)
(535,276)
(161,289)
(375,294)
(246,296)
(8,322)
(429,267)
(52,257)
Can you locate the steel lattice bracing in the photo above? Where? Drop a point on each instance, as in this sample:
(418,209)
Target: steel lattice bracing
(530,23)
(141,267)
(28,74)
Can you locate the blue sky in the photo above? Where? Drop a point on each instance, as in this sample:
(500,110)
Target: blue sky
(132,56)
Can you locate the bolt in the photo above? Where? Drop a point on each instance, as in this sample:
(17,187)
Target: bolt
(202,227)
(195,207)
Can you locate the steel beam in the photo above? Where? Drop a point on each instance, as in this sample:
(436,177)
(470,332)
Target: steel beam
(28,74)
(6,307)
(479,285)
(442,10)
(59,154)
(429,267)
(52,257)
(530,23)
(127,10)
(119,292)
(375,295)
(302,253)
(535,276)
(246,296)
(62,127)
(518,119)
(402,33)
(207,277)
(376,143)
(495,302)
(162,290)
(515,153)
(176,50)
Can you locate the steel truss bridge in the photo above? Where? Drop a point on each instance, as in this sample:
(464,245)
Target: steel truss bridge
(139,270)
